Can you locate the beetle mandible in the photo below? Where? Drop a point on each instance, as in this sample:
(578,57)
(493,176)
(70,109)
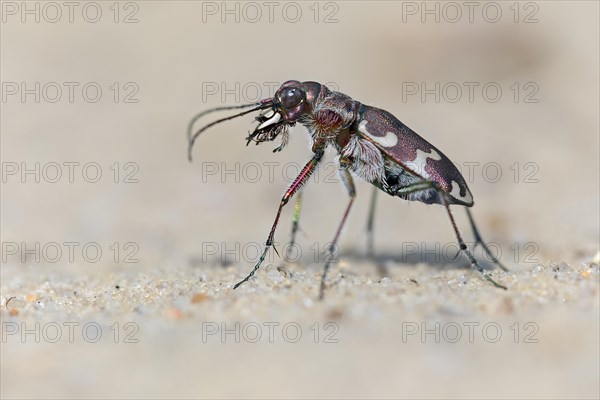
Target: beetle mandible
(371,144)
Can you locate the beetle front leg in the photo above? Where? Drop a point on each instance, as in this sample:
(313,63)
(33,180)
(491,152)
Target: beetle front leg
(306,172)
(346,178)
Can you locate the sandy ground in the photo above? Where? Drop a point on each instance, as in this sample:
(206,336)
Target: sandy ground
(119,285)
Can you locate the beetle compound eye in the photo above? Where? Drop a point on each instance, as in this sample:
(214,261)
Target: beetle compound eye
(290,98)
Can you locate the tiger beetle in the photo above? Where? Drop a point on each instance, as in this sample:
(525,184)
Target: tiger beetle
(371,144)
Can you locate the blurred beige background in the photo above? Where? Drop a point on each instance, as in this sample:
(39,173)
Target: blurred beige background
(180,58)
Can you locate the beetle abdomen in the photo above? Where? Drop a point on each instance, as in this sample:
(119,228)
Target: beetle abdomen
(402,183)
(413,154)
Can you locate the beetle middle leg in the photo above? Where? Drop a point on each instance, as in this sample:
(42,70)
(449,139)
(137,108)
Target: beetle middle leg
(295,226)
(295,221)
(381,267)
(306,172)
(370,223)
(346,179)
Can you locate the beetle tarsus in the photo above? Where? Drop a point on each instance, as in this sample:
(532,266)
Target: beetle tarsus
(256,267)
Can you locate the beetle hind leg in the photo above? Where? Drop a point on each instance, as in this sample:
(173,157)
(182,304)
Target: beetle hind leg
(464,248)
(479,241)
(428,186)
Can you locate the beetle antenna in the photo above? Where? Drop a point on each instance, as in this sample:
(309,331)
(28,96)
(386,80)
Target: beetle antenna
(192,138)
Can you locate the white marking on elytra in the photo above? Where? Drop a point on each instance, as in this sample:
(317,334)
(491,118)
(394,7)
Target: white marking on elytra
(389,140)
(418,164)
(271,121)
(455,192)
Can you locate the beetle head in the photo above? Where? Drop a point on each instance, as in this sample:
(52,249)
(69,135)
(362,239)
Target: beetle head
(291,102)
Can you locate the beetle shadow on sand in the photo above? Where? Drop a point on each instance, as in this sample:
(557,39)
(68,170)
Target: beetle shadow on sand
(383,261)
